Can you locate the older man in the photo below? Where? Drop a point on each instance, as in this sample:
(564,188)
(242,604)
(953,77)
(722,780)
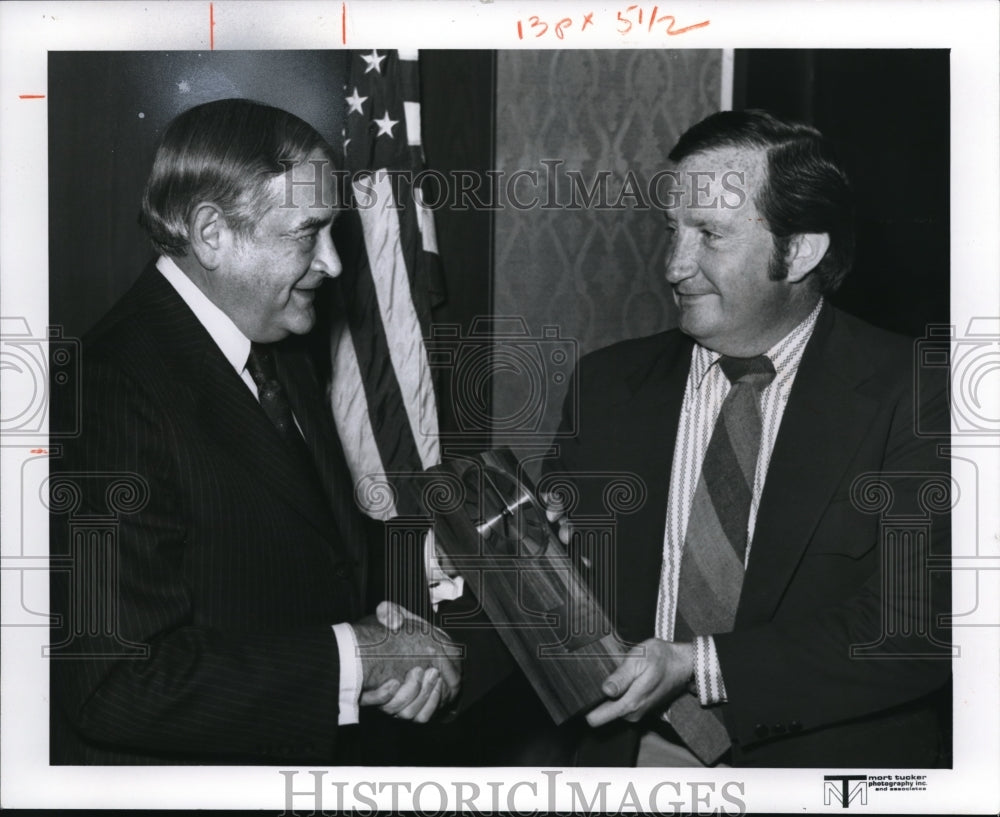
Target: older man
(775,624)
(230,623)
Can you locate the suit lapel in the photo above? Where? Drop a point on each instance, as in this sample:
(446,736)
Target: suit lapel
(823,424)
(225,406)
(649,418)
(653,412)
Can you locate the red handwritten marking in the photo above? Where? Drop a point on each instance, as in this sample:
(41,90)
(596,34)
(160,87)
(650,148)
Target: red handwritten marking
(627,19)
(211,27)
(31,96)
(343,23)
(626,24)
(672,31)
(39,451)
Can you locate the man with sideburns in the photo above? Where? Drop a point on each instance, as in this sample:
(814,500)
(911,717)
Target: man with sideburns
(235,620)
(772,621)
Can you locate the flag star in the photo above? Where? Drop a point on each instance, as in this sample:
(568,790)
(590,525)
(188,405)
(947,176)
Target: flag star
(374,61)
(354,102)
(385,125)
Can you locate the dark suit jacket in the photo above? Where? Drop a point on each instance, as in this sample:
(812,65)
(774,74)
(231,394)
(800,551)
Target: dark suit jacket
(817,580)
(196,615)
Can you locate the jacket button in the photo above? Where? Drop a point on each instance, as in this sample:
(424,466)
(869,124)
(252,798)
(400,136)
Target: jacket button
(795,726)
(778,729)
(343,571)
(761,730)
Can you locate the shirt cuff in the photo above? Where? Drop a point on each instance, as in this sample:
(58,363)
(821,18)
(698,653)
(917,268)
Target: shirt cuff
(351,674)
(442,587)
(708,683)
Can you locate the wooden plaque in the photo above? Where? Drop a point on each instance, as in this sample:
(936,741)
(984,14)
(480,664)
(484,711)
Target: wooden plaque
(510,557)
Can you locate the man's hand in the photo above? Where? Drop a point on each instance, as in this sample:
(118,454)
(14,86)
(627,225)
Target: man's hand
(650,677)
(410,668)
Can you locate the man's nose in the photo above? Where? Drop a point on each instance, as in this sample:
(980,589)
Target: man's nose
(325,258)
(681,261)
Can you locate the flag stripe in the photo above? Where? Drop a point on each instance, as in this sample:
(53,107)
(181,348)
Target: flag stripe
(425,223)
(387,416)
(400,324)
(350,412)
(411,110)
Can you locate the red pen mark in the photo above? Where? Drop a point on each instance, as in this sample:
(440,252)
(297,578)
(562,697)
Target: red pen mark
(31,96)
(629,19)
(634,15)
(39,451)
(343,23)
(672,31)
(537,22)
(211,27)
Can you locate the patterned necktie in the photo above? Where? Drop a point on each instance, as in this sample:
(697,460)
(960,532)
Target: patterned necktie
(274,401)
(712,564)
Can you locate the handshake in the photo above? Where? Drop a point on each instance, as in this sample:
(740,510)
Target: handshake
(410,668)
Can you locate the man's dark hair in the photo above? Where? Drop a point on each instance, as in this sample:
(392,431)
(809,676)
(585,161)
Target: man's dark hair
(225,152)
(806,190)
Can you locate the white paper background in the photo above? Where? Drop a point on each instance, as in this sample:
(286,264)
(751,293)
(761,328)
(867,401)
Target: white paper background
(29,30)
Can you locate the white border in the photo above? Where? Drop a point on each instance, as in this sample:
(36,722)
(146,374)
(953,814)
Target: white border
(29,30)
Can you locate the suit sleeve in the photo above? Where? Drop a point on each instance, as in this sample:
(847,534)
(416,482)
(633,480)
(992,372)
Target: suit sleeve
(881,644)
(149,679)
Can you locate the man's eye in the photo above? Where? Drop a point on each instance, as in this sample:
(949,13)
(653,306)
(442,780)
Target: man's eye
(308,239)
(708,235)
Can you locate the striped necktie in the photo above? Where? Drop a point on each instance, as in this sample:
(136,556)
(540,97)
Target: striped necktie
(273,399)
(712,565)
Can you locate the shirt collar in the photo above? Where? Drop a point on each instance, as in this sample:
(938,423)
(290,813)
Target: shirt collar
(235,346)
(785,354)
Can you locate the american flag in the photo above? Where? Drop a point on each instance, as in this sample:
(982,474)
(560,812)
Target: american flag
(381,395)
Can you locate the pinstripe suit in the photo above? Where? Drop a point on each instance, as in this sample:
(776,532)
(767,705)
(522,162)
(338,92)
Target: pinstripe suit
(229,576)
(813,581)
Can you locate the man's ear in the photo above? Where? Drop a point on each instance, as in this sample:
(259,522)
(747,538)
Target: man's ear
(805,251)
(208,233)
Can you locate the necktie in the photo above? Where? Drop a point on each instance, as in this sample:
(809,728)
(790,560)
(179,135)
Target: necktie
(711,574)
(274,401)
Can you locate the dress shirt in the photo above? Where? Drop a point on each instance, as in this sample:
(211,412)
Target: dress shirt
(706,389)
(235,347)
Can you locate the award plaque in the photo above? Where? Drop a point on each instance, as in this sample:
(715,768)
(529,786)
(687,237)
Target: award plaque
(499,539)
